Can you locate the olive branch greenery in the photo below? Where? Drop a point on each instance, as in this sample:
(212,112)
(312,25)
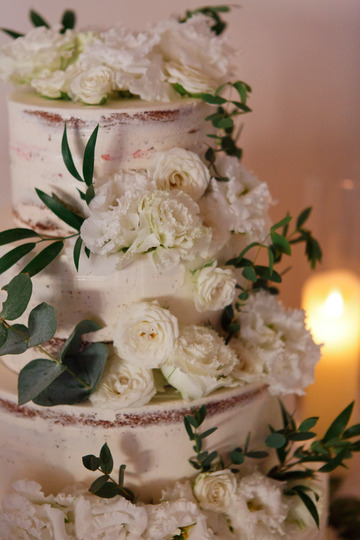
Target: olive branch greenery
(293,457)
(67,378)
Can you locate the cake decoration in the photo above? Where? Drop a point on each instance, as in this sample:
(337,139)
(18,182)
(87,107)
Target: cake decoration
(164,253)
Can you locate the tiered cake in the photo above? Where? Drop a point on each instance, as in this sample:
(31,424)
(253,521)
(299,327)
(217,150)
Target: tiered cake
(176,312)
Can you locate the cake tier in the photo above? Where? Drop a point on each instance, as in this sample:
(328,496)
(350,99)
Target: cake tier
(47,444)
(130,132)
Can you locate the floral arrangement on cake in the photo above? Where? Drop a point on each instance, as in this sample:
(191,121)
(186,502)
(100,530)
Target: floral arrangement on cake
(187,209)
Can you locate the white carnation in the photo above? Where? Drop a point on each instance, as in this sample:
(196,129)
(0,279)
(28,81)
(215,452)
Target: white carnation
(123,385)
(259,509)
(278,344)
(239,205)
(167,519)
(42,50)
(215,491)
(194,56)
(92,86)
(180,169)
(145,334)
(199,363)
(163,224)
(214,288)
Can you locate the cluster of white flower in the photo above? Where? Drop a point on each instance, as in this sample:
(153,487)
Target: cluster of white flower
(92,66)
(219,505)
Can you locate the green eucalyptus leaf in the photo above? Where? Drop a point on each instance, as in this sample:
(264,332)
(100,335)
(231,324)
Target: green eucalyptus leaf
(89,157)
(42,324)
(339,424)
(98,484)
(74,342)
(37,19)
(17,340)
(68,20)
(206,463)
(83,372)
(43,259)
(11,33)
(188,427)
(310,505)
(12,257)
(108,490)
(304,436)
(237,456)
(264,273)
(280,243)
(242,89)
(309,423)
(106,459)
(334,463)
(3,334)
(90,194)
(14,235)
(77,251)
(91,462)
(282,223)
(35,377)
(223,123)
(67,157)
(208,432)
(249,274)
(257,454)
(213,100)
(60,210)
(275,440)
(18,296)
(352,431)
(303,217)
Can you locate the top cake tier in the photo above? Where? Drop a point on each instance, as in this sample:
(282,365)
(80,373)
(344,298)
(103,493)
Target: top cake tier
(130,133)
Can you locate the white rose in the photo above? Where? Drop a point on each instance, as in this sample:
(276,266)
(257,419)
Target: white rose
(199,363)
(92,86)
(41,50)
(215,491)
(214,288)
(145,334)
(193,80)
(180,169)
(123,385)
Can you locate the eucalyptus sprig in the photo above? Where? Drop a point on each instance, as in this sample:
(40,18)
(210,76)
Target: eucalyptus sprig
(67,379)
(213,12)
(105,486)
(68,21)
(204,460)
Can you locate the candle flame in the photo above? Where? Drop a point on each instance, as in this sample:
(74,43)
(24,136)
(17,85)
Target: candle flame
(334,304)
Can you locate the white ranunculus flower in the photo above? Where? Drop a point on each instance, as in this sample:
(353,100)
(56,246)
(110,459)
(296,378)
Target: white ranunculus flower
(180,169)
(164,225)
(167,519)
(194,56)
(123,385)
(199,363)
(92,86)
(215,491)
(259,509)
(42,50)
(145,334)
(214,288)
(107,519)
(278,344)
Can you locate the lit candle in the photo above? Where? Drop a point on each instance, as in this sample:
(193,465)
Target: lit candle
(332,303)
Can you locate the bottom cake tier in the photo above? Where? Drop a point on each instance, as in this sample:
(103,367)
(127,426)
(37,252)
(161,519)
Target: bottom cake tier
(46,446)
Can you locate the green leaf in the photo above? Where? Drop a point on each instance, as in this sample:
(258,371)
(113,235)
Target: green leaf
(206,463)
(213,100)
(309,423)
(60,210)
(12,257)
(223,123)
(237,456)
(303,217)
(42,324)
(14,235)
(188,427)
(98,484)
(280,243)
(35,377)
(339,424)
(108,491)
(208,432)
(77,251)
(89,157)
(275,440)
(264,273)
(310,505)
(3,334)
(90,194)
(106,459)
(74,342)
(282,223)
(17,340)
(82,375)
(336,461)
(257,454)
(11,33)
(242,89)
(37,19)
(18,296)
(352,431)
(304,436)
(67,157)
(43,259)
(91,462)
(68,20)
(249,273)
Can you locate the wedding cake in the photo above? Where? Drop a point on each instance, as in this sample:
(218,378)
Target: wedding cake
(140,325)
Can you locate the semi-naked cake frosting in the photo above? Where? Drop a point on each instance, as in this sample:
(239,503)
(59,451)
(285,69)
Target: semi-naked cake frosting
(168,238)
